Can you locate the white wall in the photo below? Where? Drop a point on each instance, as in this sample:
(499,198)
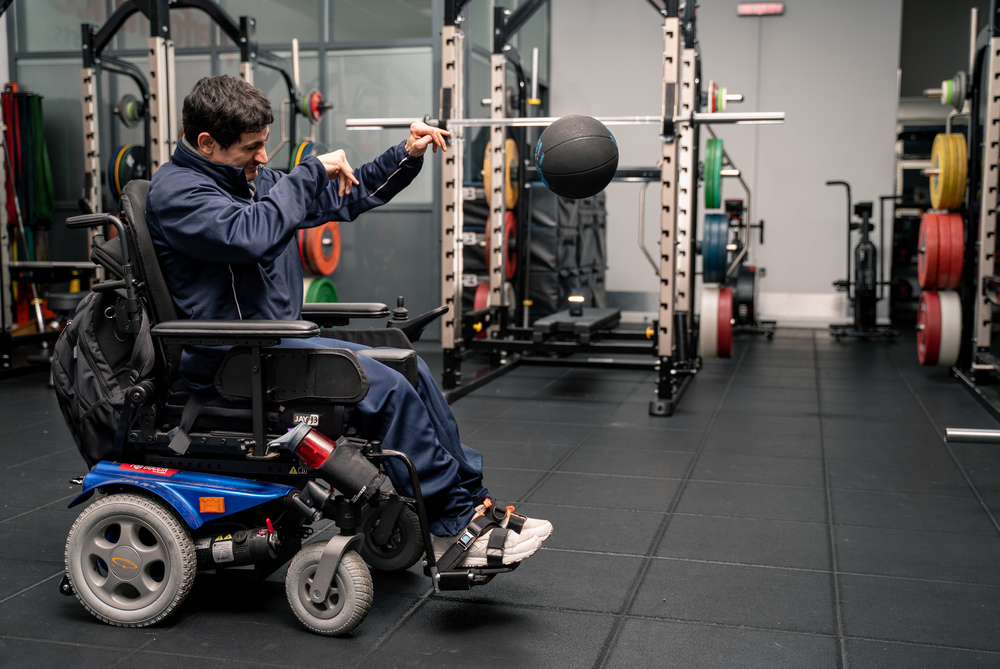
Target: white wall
(831,66)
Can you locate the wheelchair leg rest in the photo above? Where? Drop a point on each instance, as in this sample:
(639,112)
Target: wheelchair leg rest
(464,579)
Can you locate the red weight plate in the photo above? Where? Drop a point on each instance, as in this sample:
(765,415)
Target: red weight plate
(725,340)
(481,301)
(944,270)
(510,244)
(929,328)
(315,101)
(323,249)
(927,251)
(957,230)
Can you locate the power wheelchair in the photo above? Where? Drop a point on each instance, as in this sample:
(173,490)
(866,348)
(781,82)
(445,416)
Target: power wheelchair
(234,483)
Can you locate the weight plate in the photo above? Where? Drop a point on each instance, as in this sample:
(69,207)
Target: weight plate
(951,178)
(720,103)
(951,328)
(960,163)
(928,328)
(509,299)
(714,258)
(509,245)
(743,292)
(940,162)
(321,248)
(320,290)
(127,163)
(708,325)
(944,251)
(511,185)
(711,97)
(956,225)
(927,252)
(481,300)
(129,110)
(713,178)
(725,323)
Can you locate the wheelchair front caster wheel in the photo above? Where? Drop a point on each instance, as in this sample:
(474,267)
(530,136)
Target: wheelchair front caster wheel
(346,605)
(130,560)
(405,545)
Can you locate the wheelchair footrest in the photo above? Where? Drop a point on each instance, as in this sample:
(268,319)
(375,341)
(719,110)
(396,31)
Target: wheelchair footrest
(464,579)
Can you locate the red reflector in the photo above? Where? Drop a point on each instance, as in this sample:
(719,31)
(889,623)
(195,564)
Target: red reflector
(314,448)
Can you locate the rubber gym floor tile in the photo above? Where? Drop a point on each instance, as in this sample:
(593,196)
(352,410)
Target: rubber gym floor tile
(772,425)
(561,412)
(64,463)
(762,443)
(38,535)
(925,451)
(627,461)
(597,530)
(18,575)
(449,633)
(783,379)
(558,579)
(862,654)
(507,454)
(910,512)
(758,469)
(644,643)
(512,387)
(31,487)
(479,408)
(586,390)
(904,412)
(740,394)
(967,558)
(606,492)
(926,612)
(31,652)
(17,451)
(753,500)
(651,438)
(806,408)
(776,543)
(260,628)
(688,416)
(897,477)
(545,434)
(919,432)
(763,597)
(469,427)
(149,660)
(510,485)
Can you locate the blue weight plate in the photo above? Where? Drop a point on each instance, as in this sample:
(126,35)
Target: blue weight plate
(713,248)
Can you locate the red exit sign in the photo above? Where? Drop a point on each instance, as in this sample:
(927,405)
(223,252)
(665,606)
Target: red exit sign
(760,9)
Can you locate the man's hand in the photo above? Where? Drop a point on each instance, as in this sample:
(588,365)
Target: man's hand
(337,167)
(421,136)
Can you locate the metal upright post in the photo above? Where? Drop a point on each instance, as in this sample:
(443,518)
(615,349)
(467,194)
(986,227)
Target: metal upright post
(663,405)
(990,184)
(687,180)
(162,121)
(91,123)
(495,198)
(452,74)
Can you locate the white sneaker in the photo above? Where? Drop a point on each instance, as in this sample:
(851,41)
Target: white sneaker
(532,526)
(516,547)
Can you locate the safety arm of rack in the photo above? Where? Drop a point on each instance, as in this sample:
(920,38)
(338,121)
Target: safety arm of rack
(749,211)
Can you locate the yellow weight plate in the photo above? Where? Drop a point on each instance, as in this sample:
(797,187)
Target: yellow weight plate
(511,186)
(961,169)
(939,158)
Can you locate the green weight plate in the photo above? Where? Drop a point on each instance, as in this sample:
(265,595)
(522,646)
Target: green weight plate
(713,178)
(321,290)
(713,248)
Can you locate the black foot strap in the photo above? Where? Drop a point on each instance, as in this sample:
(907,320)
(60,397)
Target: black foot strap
(497,511)
(479,526)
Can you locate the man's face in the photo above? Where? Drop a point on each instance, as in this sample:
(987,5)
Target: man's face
(247,152)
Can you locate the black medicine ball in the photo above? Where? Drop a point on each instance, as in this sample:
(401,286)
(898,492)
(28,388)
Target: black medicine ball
(576,156)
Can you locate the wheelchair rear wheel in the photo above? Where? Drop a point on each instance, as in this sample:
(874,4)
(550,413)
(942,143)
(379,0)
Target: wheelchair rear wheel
(130,560)
(404,547)
(349,600)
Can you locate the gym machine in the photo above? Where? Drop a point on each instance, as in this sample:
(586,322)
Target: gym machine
(869,281)
(670,345)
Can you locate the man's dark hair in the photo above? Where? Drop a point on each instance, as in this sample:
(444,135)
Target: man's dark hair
(225,107)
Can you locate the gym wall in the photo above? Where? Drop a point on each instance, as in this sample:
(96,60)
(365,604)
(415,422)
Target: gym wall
(831,66)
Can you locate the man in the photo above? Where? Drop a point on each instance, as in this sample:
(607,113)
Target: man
(224,229)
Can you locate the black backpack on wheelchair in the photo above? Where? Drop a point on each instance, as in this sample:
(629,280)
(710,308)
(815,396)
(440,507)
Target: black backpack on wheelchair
(194,483)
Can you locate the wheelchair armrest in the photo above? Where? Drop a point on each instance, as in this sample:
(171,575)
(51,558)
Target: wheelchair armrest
(340,313)
(233,333)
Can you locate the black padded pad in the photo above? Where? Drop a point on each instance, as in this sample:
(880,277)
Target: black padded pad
(320,374)
(401,360)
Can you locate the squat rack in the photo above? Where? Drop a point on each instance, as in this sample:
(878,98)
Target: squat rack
(674,339)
